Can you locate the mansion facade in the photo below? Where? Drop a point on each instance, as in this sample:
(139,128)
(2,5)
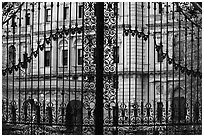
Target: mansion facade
(58,72)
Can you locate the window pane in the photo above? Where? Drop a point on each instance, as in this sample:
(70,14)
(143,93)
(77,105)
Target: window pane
(66,12)
(116,54)
(179,108)
(25,55)
(48,15)
(80,11)
(160,54)
(65,57)
(160,7)
(28,19)
(47,58)
(13,23)
(159,110)
(79,56)
(12,55)
(159,57)
(48,11)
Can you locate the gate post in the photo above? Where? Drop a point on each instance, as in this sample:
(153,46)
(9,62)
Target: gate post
(99,9)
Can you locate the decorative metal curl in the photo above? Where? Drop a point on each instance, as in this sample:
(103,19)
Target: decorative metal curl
(41,47)
(10,9)
(183,69)
(139,34)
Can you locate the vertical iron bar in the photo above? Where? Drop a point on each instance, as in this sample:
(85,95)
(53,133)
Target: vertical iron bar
(49,108)
(13,52)
(117,57)
(51,62)
(70,17)
(82,86)
(136,71)
(161,56)
(57,50)
(44,44)
(179,64)
(26,63)
(63,29)
(69,48)
(167,51)
(154,63)
(123,53)
(186,66)
(7,76)
(191,70)
(37,52)
(31,50)
(172,103)
(76,63)
(198,37)
(142,105)
(19,67)
(148,44)
(129,61)
(13,107)
(99,67)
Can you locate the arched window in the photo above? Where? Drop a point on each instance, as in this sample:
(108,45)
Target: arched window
(63,53)
(47,56)
(80,12)
(66,12)
(78,51)
(73,118)
(178,105)
(12,55)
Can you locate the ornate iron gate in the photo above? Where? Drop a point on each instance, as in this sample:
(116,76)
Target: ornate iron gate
(102,68)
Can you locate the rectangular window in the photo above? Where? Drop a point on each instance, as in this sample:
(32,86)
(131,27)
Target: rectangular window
(159,110)
(28,19)
(66,12)
(80,11)
(179,108)
(160,54)
(65,57)
(159,57)
(116,54)
(94,55)
(160,7)
(48,15)
(25,55)
(47,58)
(177,7)
(80,57)
(13,23)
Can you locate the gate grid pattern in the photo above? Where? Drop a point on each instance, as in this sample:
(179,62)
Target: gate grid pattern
(150,74)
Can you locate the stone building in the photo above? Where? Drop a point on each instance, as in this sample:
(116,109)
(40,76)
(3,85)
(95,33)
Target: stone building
(57,74)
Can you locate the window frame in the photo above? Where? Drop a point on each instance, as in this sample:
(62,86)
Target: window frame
(25,65)
(178,96)
(116,51)
(47,16)
(63,46)
(12,55)
(179,109)
(160,8)
(79,57)
(66,13)
(80,13)
(160,54)
(63,57)
(13,21)
(45,60)
(28,16)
